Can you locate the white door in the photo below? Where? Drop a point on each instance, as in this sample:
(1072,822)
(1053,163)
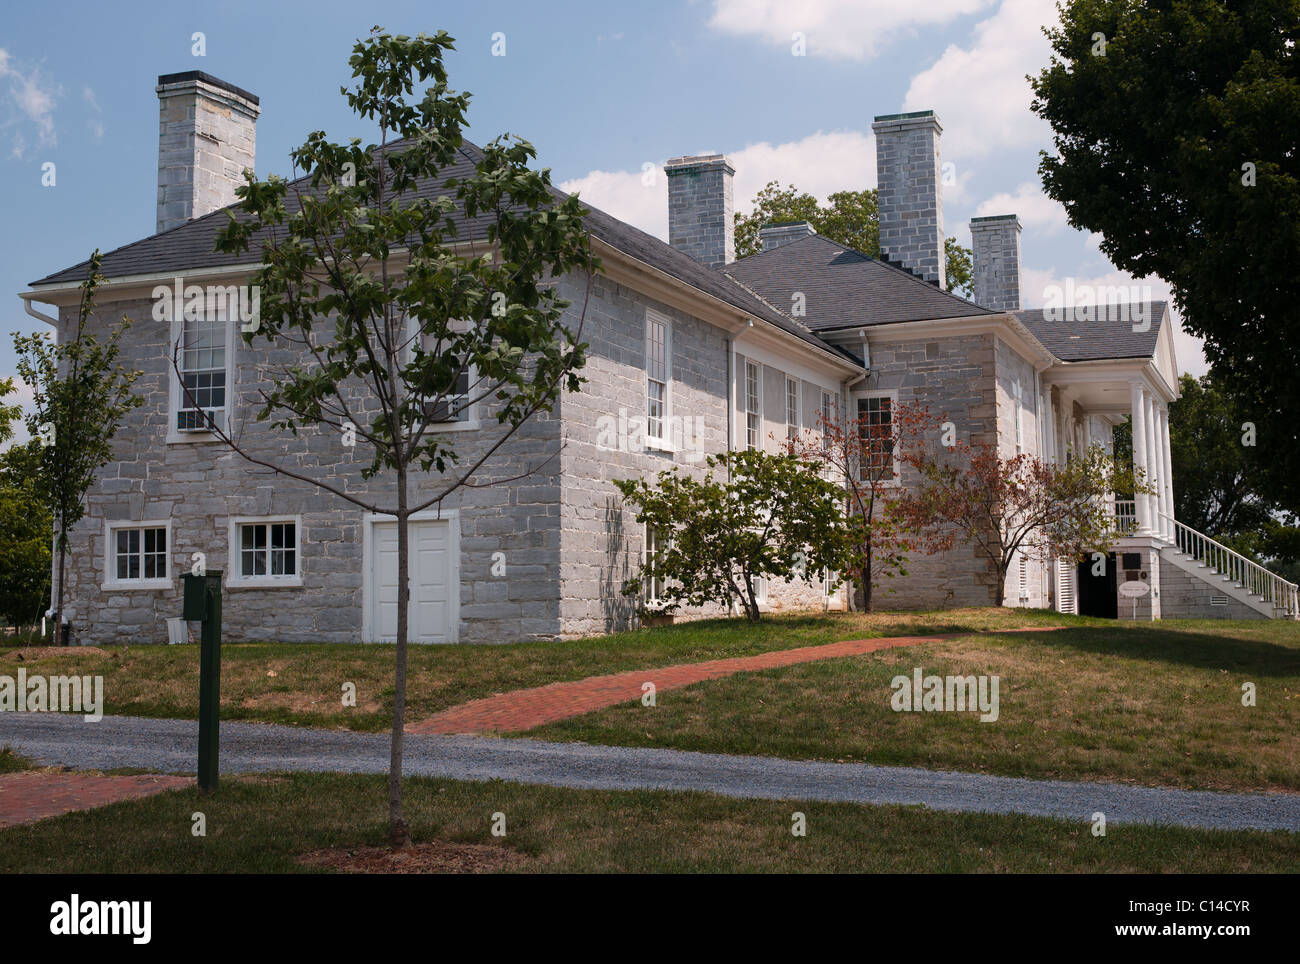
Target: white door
(434,582)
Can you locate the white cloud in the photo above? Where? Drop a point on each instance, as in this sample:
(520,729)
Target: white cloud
(835,29)
(31,100)
(819,164)
(980,92)
(95,122)
(1037,211)
(1189,350)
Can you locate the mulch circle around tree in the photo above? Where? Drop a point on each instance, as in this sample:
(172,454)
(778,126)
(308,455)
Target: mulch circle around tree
(424,858)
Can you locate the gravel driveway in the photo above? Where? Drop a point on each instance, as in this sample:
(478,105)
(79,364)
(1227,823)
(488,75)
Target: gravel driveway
(169,746)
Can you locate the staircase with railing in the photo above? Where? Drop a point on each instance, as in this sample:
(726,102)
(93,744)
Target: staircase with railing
(1265,590)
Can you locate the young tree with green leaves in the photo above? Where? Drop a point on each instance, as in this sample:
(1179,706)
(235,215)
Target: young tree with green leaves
(395,318)
(769,516)
(80,396)
(850,217)
(8,413)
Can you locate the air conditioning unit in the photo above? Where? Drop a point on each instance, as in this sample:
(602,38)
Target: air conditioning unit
(447,410)
(200,419)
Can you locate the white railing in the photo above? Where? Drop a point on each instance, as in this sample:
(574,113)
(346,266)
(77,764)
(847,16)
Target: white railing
(1126,515)
(1251,576)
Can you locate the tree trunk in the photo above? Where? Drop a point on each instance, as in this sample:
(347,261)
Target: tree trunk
(750,601)
(866,584)
(58,610)
(399,835)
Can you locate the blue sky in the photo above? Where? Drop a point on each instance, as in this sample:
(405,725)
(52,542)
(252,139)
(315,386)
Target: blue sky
(601,89)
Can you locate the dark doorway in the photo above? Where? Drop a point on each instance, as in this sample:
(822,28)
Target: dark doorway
(1097,593)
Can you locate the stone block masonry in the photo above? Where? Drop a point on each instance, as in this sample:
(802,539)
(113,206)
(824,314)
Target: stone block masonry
(996,252)
(701,219)
(207,136)
(909,178)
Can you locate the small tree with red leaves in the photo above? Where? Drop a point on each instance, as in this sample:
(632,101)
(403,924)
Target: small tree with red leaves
(1020,504)
(866,451)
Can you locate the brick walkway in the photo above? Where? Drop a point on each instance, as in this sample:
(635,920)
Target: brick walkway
(34,794)
(524,709)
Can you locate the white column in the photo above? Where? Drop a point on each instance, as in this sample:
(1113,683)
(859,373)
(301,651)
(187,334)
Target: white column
(1138,407)
(1167,461)
(1048,422)
(1153,463)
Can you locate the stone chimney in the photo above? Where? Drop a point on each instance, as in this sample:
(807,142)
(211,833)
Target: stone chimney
(207,135)
(774,235)
(700,213)
(997,261)
(908,179)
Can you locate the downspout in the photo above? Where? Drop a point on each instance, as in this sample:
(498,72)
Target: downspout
(53,322)
(730,389)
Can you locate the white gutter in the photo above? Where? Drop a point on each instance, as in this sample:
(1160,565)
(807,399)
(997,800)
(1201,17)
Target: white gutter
(27,304)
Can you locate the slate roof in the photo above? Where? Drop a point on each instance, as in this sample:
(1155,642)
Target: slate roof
(190,245)
(1110,336)
(844,288)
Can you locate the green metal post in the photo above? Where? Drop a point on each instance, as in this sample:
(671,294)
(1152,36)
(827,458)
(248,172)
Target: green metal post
(210,681)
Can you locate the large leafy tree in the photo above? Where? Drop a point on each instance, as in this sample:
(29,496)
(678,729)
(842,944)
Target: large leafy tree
(80,393)
(850,217)
(1175,133)
(392,319)
(754,515)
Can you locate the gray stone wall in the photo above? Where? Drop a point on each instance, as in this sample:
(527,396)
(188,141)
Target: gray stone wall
(955,377)
(1183,596)
(909,178)
(200,486)
(602,545)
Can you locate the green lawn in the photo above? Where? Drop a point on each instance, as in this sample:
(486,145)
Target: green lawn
(302,684)
(262,825)
(1156,704)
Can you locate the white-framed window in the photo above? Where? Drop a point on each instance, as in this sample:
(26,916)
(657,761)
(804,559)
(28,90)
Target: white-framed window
(875,420)
(792,407)
(266,551)
(453,411)
(759,584)
(654,547)
(658,375)
(753,405)
(137,555)
(201,395)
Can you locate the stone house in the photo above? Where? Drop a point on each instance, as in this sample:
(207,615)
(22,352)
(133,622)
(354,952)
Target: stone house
(691,352)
